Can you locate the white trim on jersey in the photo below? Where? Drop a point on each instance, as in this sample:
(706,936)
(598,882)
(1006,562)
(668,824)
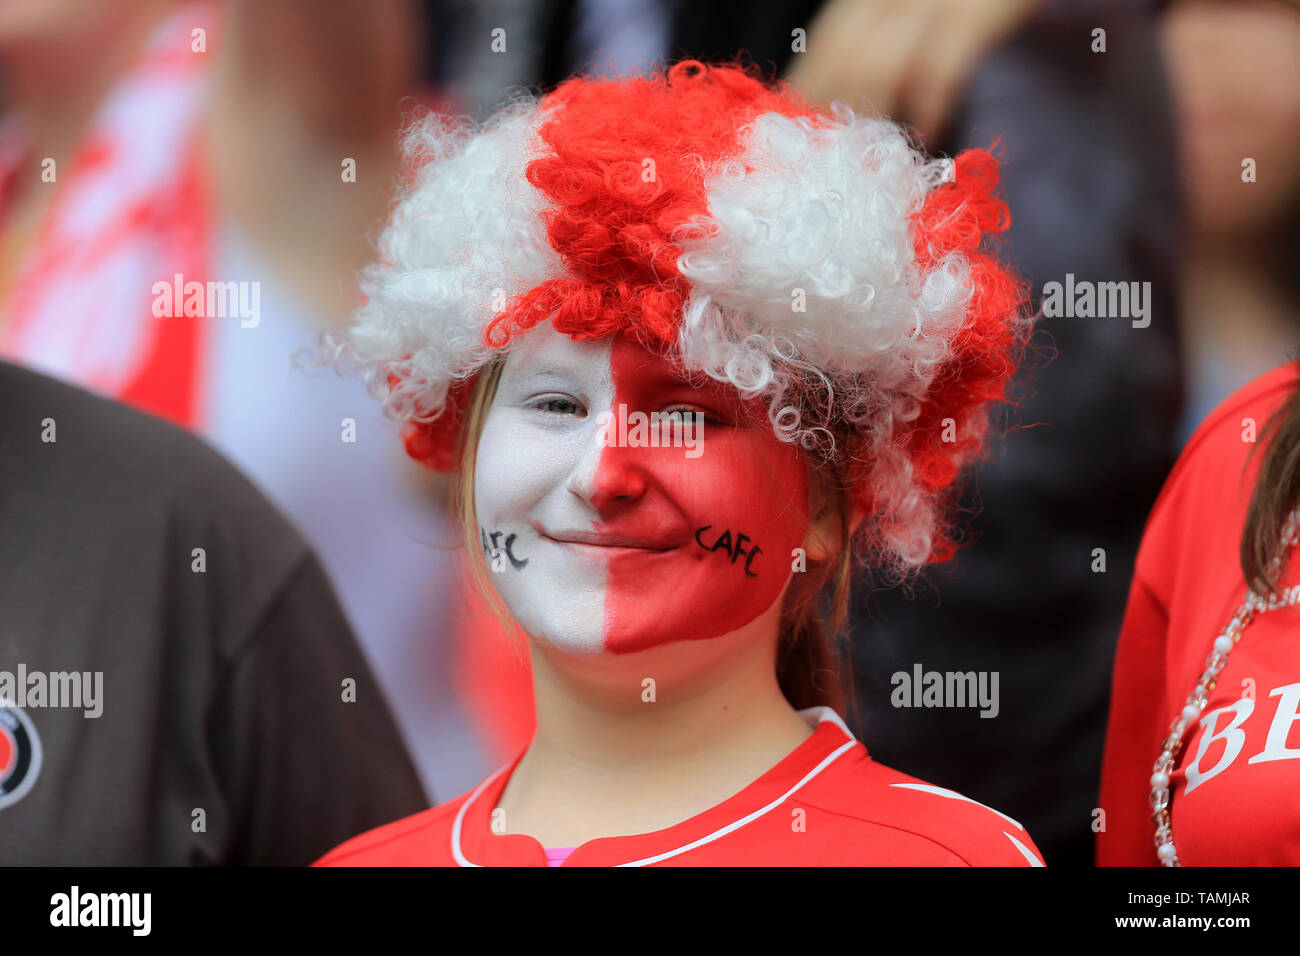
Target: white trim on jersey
(1025,851)
(717,834)
(811,715)
(460,816)
(819,715)
(941,792)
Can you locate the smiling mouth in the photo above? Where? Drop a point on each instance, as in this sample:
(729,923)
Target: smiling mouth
(609,543)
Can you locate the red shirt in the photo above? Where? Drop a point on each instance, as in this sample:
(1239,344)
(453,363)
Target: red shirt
(827,803)
(1241,753)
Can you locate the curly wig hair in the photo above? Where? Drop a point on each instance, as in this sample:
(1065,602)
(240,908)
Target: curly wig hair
(812,259)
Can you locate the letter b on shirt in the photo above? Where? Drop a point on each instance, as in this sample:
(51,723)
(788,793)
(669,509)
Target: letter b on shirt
(1233,737)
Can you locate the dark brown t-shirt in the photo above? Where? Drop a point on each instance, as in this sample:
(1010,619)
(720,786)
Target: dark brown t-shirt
(144,579)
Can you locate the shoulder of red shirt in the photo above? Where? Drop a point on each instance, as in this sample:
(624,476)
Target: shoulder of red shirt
(1216,448)
(1213,477)
(943,826)
(400,843)
(1261,394)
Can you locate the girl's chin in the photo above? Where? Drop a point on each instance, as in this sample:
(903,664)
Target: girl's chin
(611,644)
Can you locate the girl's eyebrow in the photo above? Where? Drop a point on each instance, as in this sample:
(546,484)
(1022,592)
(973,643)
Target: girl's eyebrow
(670,377)
(562,375)
(656,378)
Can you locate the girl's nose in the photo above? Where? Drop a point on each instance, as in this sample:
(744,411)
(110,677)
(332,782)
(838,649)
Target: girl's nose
(605,475)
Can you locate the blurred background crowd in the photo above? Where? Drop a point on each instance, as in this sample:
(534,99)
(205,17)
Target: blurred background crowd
(255,141)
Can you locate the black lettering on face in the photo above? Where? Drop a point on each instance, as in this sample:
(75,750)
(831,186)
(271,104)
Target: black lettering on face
(734,549)
(490,543)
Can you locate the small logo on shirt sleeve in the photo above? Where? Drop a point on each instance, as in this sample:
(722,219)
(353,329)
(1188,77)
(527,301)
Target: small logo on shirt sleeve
(20,754)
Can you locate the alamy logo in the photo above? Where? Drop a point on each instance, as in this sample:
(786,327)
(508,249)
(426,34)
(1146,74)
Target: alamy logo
(212,300)
(656,430)
(946,689)
(1101,300)
(76,908)
(32,689)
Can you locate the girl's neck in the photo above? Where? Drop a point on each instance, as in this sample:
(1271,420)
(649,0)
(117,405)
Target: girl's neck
(641,743)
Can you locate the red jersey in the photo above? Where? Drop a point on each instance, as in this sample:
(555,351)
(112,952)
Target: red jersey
(827,803)
(1232,794)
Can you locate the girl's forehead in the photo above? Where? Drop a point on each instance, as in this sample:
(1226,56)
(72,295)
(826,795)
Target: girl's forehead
(543,349)
(613,360)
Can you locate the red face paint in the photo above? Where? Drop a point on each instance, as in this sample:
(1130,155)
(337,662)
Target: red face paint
(734,514)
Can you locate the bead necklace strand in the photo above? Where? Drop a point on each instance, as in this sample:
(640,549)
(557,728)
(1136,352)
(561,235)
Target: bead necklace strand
(1223,644)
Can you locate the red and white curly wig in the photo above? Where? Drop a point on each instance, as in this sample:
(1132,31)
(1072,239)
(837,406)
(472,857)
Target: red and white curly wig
(812,259)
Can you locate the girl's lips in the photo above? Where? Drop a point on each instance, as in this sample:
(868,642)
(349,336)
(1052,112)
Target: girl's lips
(607,555)
(595,540)
(610,546)
(609,551)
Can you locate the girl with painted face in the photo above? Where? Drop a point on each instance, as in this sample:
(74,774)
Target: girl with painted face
(695,350)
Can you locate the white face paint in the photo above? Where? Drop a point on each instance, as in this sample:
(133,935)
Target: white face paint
(526,458)
(690,546)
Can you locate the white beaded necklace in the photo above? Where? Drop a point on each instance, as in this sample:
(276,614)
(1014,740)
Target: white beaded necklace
(1223,644)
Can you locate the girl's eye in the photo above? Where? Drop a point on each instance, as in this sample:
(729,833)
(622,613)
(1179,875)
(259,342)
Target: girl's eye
(687,414)
(558,406)
(564,406)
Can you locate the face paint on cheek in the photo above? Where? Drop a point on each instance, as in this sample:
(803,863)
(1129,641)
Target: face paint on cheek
(498,546)
(742,503)
(735,551)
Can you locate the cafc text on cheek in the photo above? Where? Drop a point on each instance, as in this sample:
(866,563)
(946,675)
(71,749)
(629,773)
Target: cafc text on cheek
(723,542)
(497,544)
